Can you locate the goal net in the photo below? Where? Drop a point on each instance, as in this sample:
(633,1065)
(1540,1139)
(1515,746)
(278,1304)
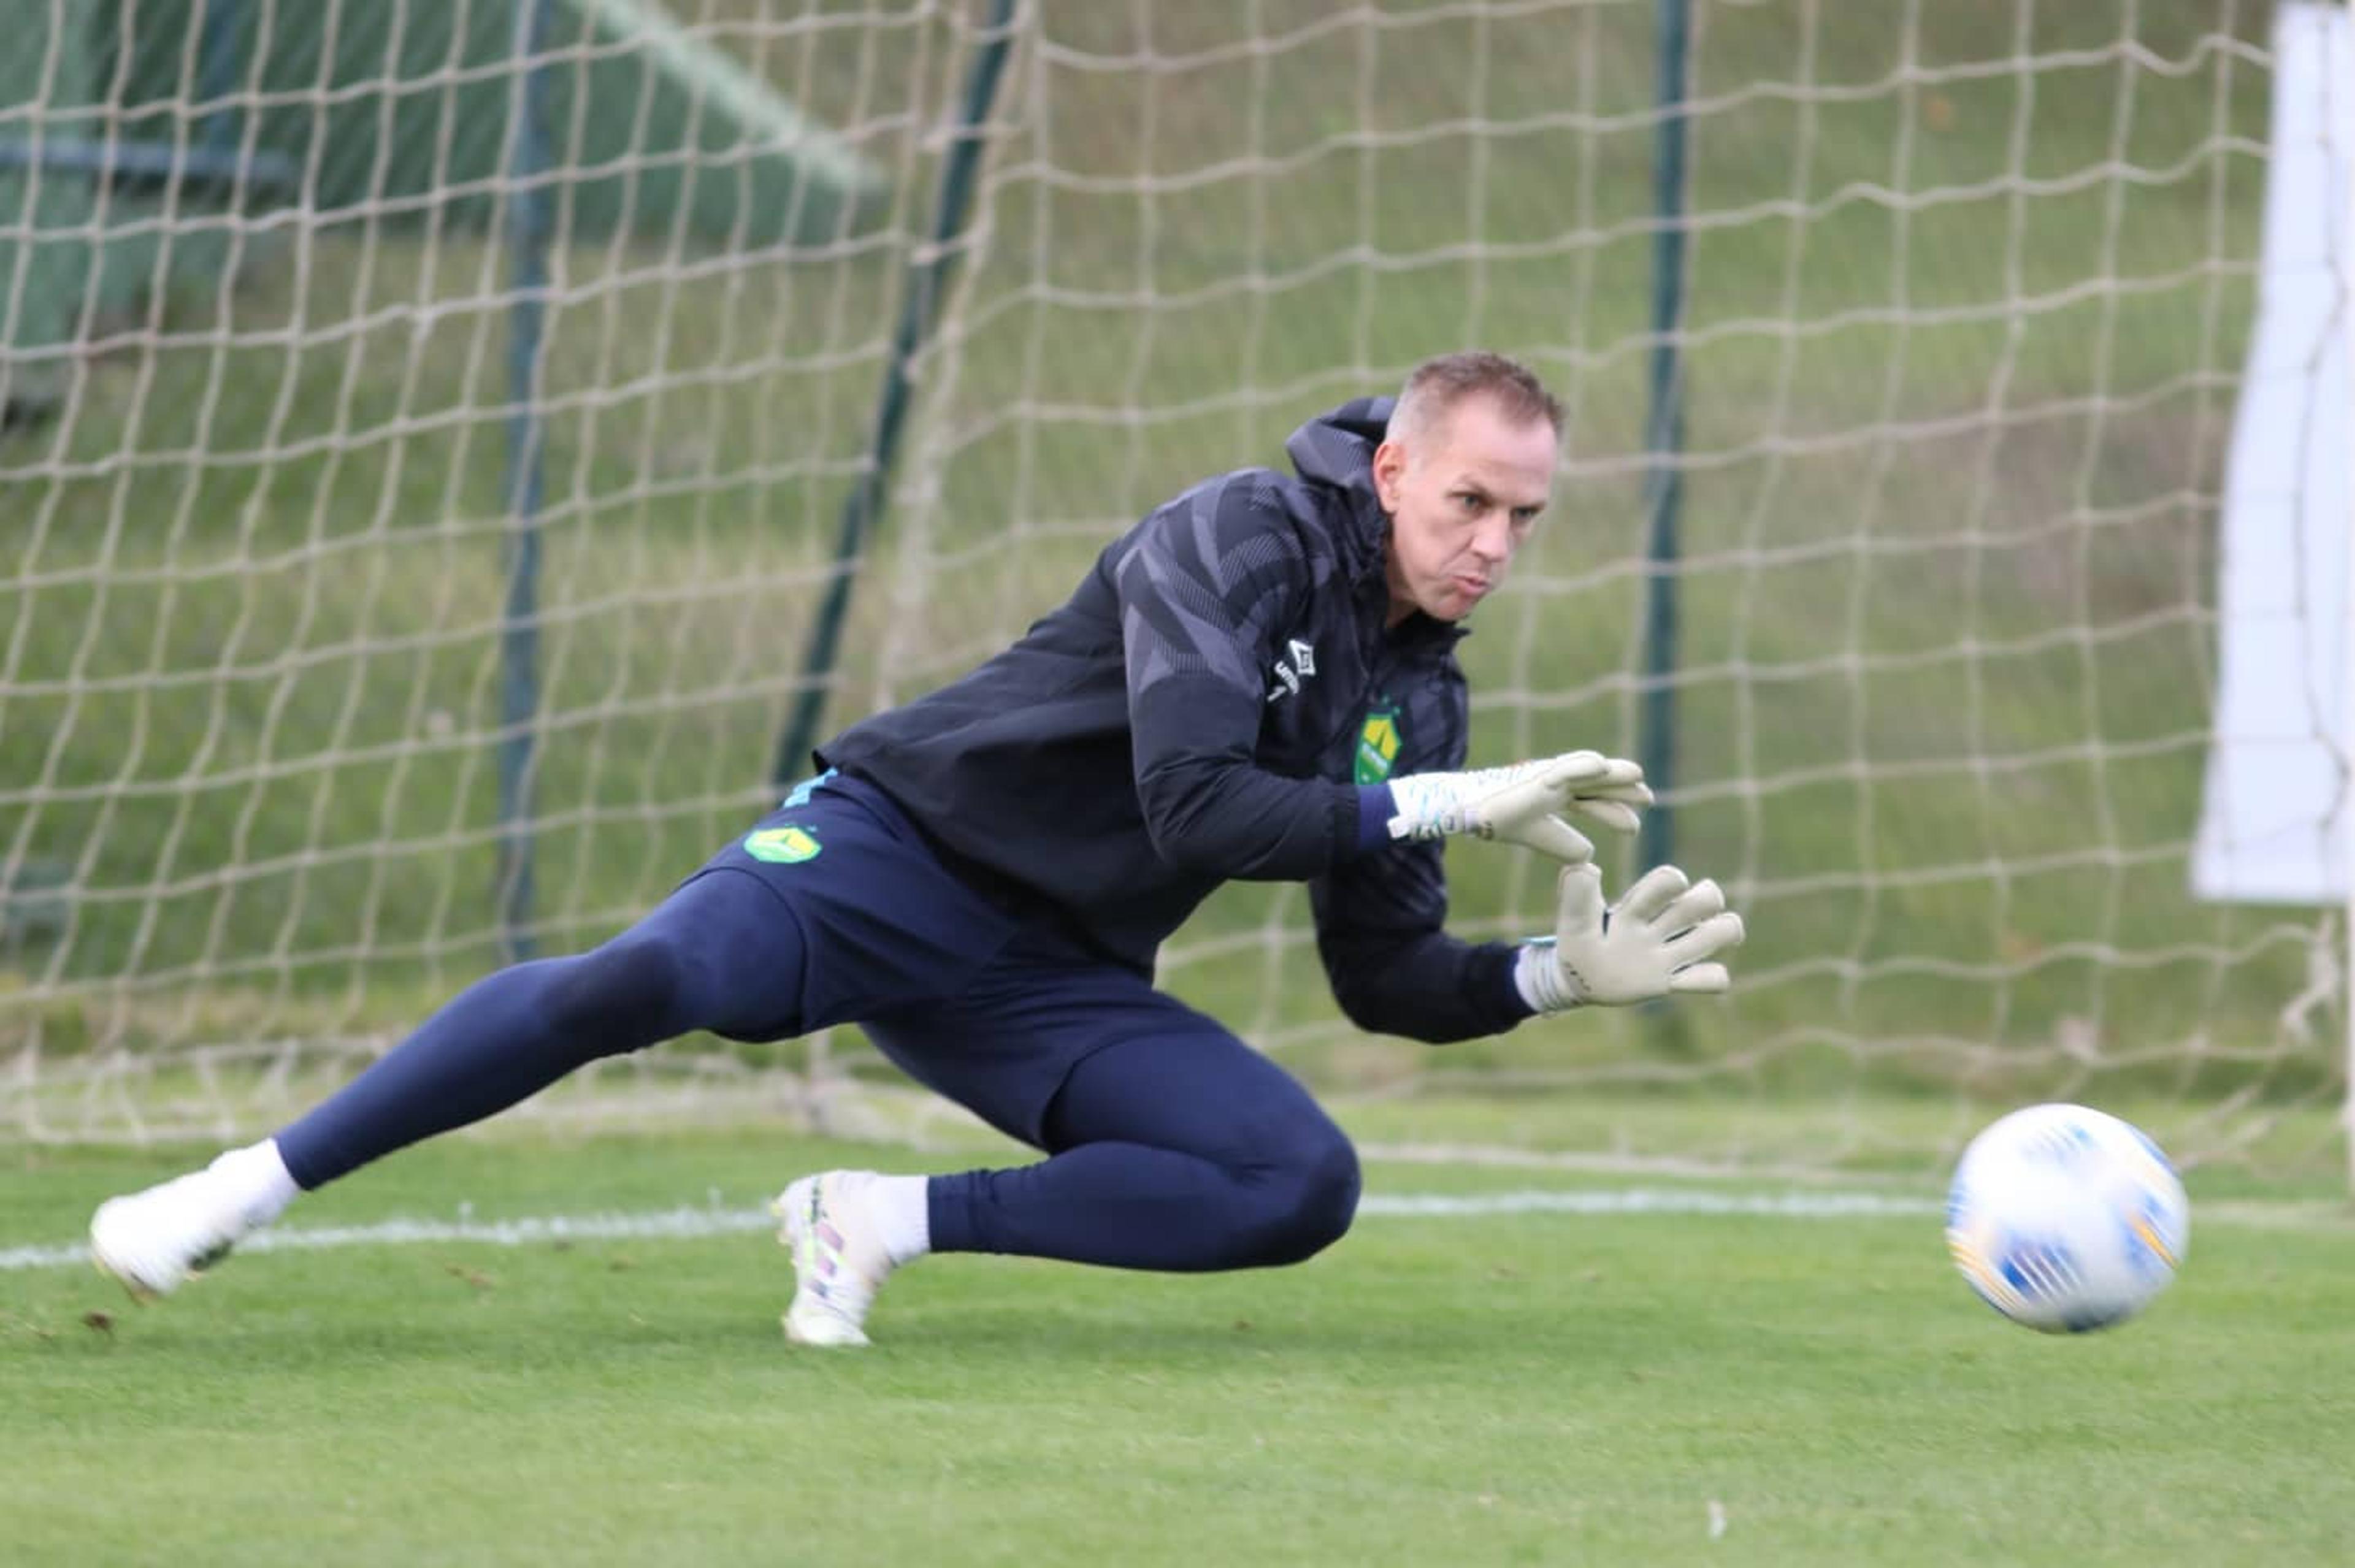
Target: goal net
(353,557)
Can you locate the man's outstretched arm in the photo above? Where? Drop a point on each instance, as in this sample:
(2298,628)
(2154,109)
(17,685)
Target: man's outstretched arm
(1391,967)
(1203,589)
(1395,971)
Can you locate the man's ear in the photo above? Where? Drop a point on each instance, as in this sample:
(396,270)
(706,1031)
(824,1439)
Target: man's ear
(1390,471)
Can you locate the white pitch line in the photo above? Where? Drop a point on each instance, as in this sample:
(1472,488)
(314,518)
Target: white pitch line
(692,1224)
(683,1224)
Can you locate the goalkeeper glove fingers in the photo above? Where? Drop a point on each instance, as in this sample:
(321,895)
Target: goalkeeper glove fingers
(1663,936)
(1523,803)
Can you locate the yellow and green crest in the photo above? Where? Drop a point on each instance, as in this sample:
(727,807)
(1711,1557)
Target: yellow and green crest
(786,845)
(1378,745)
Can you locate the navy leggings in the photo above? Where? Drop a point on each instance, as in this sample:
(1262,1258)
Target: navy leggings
(1172,1145)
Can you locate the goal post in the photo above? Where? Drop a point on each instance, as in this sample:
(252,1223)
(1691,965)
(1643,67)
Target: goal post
(1968,293)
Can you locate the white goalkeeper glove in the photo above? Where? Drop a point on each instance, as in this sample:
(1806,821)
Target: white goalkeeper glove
(1662,936)
(1523,803)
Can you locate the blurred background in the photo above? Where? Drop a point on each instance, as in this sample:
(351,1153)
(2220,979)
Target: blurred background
(434,429)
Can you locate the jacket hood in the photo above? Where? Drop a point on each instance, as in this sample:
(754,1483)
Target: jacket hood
(1337,448)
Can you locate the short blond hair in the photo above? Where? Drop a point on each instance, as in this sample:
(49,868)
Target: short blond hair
(1435,388)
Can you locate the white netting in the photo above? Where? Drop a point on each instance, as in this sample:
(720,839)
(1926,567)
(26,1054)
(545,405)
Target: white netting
(1968,290)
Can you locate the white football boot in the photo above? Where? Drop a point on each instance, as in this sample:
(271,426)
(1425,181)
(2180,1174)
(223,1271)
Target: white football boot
(839,1258)
(155,1242)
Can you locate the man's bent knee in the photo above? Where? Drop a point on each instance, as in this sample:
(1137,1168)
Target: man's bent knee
(1313,1198)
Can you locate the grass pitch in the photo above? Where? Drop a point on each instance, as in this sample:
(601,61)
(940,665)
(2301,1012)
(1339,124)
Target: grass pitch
(1532,1387)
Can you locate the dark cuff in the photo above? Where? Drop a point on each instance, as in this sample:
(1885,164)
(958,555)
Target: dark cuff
(1376,806)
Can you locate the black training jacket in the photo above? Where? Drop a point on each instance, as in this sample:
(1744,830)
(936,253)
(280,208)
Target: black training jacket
(1205,707)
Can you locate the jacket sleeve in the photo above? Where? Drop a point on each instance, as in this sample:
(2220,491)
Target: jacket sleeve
(1204,588)
(1392,969)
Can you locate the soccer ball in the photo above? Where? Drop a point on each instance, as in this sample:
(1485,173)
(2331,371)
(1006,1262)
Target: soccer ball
(2066,1219)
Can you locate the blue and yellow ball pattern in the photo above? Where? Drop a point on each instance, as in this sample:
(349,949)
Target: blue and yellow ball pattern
(2065,1219)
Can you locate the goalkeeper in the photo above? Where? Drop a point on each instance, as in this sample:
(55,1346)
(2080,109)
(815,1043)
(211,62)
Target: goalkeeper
(1258,681)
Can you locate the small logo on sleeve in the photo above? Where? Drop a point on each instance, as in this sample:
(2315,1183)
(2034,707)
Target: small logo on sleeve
(786,845)
(1290,671)
(1378,745)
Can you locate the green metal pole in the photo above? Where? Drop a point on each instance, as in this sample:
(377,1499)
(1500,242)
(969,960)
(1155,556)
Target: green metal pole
(528,226)
(920,305)
(47,84)
(218,70)
(1664,431)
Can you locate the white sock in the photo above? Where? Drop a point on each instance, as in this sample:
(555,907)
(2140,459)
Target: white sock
(257,1175)
(903,1212)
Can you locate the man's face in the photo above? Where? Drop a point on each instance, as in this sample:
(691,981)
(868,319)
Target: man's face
(1463,497)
